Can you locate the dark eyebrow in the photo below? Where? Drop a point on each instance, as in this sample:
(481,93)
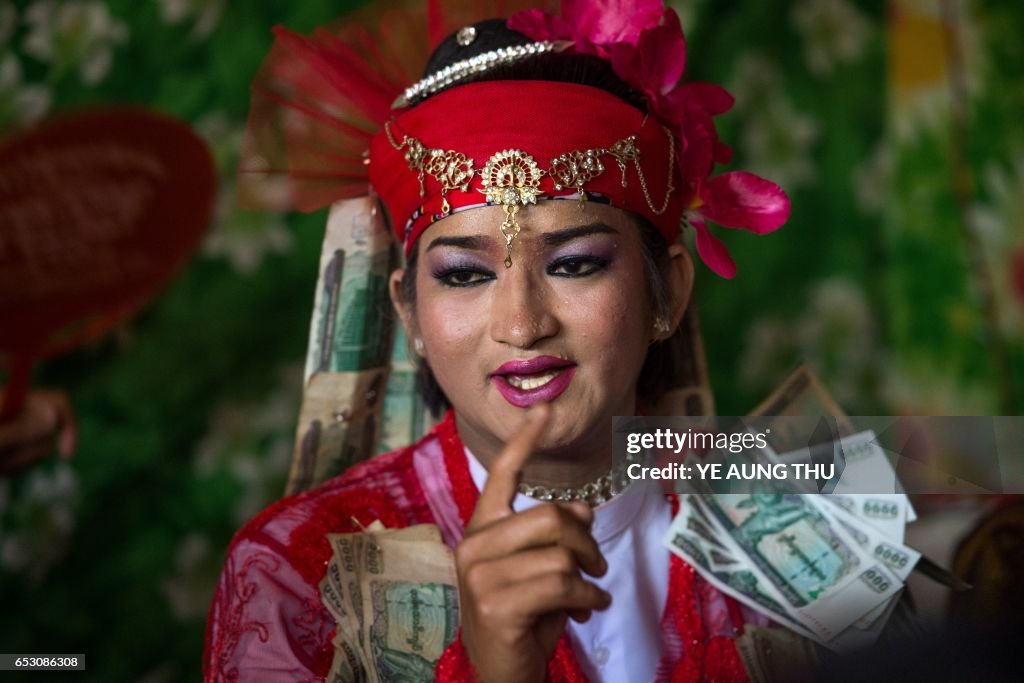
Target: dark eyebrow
(475,242)
(553,239)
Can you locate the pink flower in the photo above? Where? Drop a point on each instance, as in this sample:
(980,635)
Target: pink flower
(654,62)
(693,106)
(735,200)
(592,25)
(644,44)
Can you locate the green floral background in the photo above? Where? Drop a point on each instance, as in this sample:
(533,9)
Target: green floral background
(900,277)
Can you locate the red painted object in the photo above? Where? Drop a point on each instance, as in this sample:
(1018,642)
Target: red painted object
(98,210)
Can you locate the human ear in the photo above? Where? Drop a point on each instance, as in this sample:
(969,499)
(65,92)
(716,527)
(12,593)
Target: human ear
(679,277)
(405,309)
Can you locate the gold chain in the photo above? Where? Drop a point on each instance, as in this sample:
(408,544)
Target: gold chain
(454,170)
(671,168)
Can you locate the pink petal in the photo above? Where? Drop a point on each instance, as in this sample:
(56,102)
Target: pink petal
(714,99)
(698,137)
(656,63)
(744,200)
(604,22)
(712,251)
(539,25)
(692,106)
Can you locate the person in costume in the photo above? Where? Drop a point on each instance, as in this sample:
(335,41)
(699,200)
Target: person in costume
(537,177)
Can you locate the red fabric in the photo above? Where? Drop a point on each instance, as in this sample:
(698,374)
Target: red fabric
(543,119)
(267,621)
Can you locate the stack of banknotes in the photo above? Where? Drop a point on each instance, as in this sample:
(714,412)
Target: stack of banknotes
(394,595)
(830,567)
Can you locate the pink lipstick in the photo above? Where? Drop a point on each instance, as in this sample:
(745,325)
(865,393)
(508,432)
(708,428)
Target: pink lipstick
(525,382)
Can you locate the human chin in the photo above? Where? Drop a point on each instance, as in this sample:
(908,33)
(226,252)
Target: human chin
(578,414)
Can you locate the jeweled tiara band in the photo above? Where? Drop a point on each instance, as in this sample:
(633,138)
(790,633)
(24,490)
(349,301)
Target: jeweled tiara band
(463,69)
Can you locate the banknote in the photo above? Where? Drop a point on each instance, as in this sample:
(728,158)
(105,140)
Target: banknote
(410,601)
(864,631)
(349,350)
(789,541)
(886,512)
(394,596)
(351,326)
(828,568)
(347,666)
(869,469)
(897,557)
(349,552)
(742,582)
(338,425)
(827,581)
(411,625)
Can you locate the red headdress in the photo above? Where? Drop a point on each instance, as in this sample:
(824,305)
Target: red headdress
(343,109)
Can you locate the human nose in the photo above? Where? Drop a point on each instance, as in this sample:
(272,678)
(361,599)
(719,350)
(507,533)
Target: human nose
(520,312)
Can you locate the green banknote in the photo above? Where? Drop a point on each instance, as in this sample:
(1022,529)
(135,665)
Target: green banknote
(826,580)
(690,537)
(412,624)
(790,541)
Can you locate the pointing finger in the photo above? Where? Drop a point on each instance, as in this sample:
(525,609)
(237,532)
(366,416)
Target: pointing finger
(503,478)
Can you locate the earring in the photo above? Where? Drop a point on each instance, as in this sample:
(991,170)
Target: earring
(661,326)
(418,345)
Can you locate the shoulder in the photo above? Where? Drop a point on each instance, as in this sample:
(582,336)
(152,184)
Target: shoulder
(383,488)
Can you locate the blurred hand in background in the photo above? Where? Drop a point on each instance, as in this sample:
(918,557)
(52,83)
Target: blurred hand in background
(46,422)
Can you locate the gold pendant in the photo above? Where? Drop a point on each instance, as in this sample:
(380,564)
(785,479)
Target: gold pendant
(511,178)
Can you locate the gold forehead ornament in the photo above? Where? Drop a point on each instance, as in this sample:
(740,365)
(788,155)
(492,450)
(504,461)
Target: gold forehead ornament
(512,178)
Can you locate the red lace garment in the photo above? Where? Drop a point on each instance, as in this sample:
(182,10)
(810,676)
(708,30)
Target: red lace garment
(267,622)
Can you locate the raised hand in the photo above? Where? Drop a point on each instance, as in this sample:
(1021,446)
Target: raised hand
(521,574)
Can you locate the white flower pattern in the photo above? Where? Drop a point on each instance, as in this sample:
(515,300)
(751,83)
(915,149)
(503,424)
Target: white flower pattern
(44,520)
(78,34)
(834,32)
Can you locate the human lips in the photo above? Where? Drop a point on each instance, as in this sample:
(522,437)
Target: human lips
(525,382)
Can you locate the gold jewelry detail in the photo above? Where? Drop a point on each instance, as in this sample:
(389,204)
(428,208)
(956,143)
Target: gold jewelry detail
(577,168)
(671,169)
(452,169)
(511,178)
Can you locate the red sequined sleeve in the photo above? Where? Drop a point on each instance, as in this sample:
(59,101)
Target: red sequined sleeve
(454,665)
